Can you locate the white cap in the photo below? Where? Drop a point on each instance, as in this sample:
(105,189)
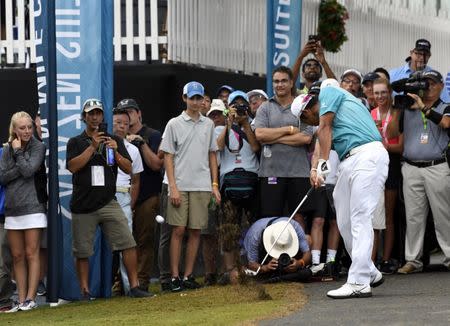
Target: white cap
(353,72)
(329,82)
(299,104)
(254,92)
(216,105)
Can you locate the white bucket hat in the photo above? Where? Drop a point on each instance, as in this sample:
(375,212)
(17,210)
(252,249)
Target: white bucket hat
(287,242)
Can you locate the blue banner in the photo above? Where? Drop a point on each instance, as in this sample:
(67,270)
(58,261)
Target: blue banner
(84,55)
(284,22)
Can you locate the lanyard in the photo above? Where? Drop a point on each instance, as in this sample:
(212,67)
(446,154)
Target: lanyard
(386,122)
(424,119)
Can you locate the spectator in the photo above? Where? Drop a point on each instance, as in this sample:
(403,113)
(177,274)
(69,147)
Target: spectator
(260,238)
(223,92)
(351,81)
(189,150)
(93,200)
(147,203)
(206,106)
(209,234)
(6,285)
(22,170)
(367,86)
(417,61)
(284,167)
(237,148)
(426,175)
(256,97)
(127,185)
(383,73)
(312,67)
(349,128)
(382,115)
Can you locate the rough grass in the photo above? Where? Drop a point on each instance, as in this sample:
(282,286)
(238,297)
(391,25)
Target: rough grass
(231,305)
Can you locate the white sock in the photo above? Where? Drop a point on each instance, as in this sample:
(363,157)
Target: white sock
(315,257)
(331,255)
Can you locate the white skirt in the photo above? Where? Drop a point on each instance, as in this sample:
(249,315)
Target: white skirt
(379,216)
(24,222)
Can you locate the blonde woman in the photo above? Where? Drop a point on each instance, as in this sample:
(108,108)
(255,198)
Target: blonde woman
(21,172)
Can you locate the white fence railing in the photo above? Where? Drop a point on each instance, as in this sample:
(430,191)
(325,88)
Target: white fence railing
(230,34)
(136,25)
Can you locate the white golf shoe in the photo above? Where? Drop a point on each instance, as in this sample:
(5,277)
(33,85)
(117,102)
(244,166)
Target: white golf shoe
(377,280)
(351,291)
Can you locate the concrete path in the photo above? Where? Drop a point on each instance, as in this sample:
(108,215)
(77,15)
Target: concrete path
(416,299)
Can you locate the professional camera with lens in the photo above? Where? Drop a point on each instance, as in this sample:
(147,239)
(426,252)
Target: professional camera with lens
(284,261)
(242,109)
(415,84)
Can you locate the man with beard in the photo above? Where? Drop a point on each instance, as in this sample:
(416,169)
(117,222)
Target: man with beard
(311,68)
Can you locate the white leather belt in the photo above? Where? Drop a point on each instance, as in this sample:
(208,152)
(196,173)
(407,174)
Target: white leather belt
(362,148)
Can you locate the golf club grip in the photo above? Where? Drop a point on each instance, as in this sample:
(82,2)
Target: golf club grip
(287,223)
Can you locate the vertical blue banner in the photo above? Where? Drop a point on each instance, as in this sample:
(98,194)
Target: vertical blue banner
(284,23)
(84,55)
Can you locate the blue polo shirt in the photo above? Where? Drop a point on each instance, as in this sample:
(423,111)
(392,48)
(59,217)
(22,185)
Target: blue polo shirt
(352,124)
(405,71)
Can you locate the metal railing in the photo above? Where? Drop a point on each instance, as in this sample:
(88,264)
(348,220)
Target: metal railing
(138,33)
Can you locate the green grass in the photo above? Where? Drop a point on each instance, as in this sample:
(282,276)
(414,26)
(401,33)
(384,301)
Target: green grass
(229,305)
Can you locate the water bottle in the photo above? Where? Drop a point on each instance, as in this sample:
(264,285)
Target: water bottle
(267,151)
(110,156)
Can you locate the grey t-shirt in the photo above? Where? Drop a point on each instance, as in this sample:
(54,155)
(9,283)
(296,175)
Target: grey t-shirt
(286,161)
(190,141)
(423,139)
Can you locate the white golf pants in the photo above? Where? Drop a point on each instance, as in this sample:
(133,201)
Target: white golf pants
(360,184)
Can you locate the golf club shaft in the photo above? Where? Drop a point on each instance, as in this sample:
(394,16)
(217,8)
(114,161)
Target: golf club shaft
(287,223)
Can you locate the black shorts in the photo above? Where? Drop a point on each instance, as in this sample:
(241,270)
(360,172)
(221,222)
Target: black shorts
(275,193)
(394,173)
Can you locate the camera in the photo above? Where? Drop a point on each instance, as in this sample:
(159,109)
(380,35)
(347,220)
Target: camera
(103,127)
(415,84)
(242,109)
(137,142)
(284,261)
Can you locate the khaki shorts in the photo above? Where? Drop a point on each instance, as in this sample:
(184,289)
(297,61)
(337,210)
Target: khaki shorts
(113,223)
(193,211)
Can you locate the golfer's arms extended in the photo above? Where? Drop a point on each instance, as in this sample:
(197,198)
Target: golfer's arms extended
(325,134)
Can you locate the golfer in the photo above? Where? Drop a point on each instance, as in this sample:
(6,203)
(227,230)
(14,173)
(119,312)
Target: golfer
(346,125)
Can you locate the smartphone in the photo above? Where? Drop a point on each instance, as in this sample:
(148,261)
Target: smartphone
(313,38)
(103,127)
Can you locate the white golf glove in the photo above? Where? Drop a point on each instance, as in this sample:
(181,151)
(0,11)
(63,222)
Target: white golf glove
(323,168)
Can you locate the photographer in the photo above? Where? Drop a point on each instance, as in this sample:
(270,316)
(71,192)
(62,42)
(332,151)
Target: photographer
(426,176)
(312,67)
(293,241)
(238,150)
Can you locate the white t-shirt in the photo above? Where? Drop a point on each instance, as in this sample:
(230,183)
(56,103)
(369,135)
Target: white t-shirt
(123,179)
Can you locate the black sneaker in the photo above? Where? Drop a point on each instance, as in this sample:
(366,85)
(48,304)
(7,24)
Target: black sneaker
(191,283)
(86,296)
(176,285)
(166,287)
(210,279)
(388,268)
(137,292)
(41,289)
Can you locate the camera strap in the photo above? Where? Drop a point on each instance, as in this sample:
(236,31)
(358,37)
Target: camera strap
(240,136)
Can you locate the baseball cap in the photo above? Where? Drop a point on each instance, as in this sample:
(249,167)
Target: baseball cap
(127,103)
(353,72)
(371,76)
(254,92)
(233,96)
(300,103)
(216,105)
(92,104)
(193,88)
(434,75)
(423,45)
(329,82)
(227,87)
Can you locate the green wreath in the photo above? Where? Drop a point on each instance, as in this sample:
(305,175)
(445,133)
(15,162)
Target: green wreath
(331,29)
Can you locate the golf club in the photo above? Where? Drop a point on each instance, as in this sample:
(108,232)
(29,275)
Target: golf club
(250,272)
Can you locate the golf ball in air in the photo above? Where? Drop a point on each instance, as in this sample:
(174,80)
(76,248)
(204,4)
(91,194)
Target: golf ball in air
(159,219)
